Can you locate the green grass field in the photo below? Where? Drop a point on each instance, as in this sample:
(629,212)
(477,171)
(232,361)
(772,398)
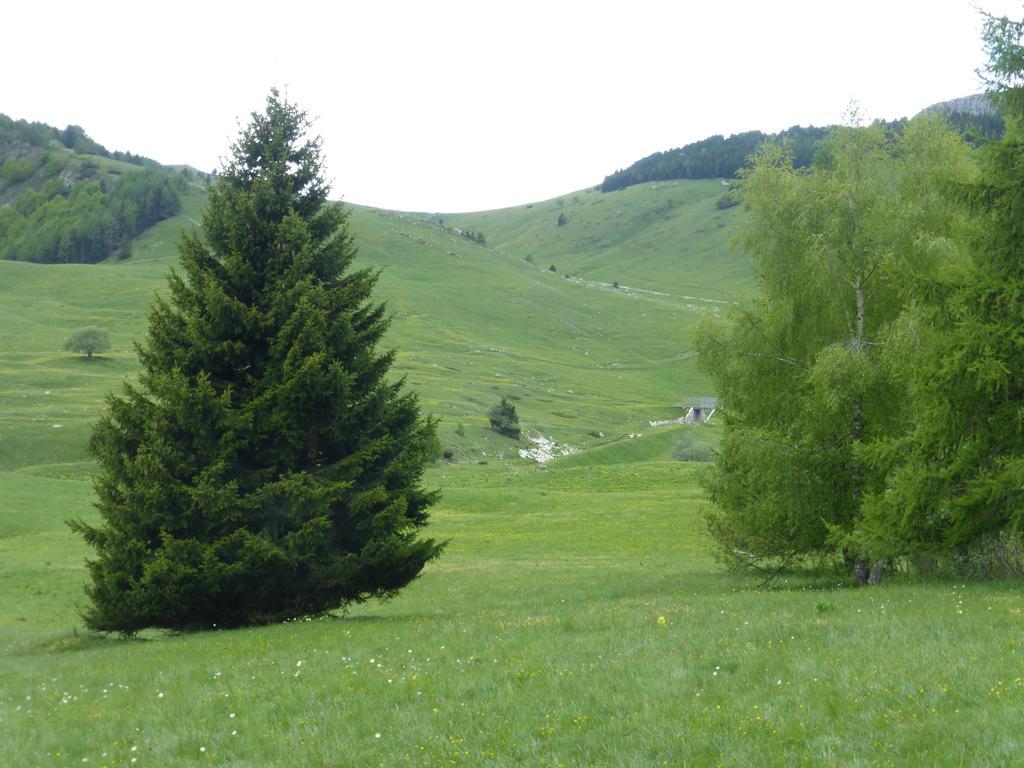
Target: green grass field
(577,617)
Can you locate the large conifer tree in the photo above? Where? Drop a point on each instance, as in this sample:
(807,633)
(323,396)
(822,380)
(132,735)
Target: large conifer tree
(265,467)
(958,477)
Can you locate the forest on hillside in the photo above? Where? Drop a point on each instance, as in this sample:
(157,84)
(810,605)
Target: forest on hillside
(715,157)
(720,157)
(60,204)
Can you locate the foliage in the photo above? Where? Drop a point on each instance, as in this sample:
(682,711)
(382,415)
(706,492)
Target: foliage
(718,157)
(21,133)
(265,467)
(88,341)
(689,448)
(715,157)
(728,199)
(978,128)
(803,373)
(69,206)
(504,419)
(75,138)
(85,222)
(957,477)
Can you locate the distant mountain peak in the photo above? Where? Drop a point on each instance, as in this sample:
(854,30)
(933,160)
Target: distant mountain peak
(976,104)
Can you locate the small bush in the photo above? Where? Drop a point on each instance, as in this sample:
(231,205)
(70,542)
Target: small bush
(996,556)
(727,200)
(16,170)
(504,419)
(690,449)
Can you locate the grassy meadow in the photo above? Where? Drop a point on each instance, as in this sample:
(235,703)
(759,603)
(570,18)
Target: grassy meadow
(577,617)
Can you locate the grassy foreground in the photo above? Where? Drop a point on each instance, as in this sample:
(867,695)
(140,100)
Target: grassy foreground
(574,620)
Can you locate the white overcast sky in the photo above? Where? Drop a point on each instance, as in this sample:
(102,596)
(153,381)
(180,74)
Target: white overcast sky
(449,106)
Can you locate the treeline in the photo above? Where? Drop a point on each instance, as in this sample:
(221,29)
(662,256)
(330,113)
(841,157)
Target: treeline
(73,137)
(86,221)
(872,393)
(68,206)
(716,157)
(977,128)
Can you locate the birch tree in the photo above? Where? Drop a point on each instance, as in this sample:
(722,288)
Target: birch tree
(800,371)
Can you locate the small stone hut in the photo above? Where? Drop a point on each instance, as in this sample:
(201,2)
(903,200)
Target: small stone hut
(699,409)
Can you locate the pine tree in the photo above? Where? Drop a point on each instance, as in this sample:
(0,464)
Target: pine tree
(958,477)
(504,419)
(264,467)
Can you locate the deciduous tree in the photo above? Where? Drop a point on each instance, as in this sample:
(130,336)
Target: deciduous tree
(800,373)
(88,341)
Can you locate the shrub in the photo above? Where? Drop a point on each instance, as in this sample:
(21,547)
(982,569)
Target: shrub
(504,419)
(688,448)
(727,200)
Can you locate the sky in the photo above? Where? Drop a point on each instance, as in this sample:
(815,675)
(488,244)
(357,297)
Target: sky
(452,106)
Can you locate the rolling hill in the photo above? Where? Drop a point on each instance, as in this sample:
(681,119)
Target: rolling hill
(584,362)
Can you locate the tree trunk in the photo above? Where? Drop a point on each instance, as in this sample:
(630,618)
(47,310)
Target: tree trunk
(860,571)
(876,573)
(864,571)
(868,572)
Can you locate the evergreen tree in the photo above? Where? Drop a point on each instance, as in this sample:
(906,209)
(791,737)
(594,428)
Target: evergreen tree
(264,467)
(504,419)
(958,476)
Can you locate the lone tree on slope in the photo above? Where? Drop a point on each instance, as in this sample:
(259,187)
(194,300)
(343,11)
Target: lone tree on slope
(264,468)
(504,419)
(88,341)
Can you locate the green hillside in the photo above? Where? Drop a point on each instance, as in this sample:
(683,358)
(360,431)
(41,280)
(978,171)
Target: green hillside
(584,363)
(666,237)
